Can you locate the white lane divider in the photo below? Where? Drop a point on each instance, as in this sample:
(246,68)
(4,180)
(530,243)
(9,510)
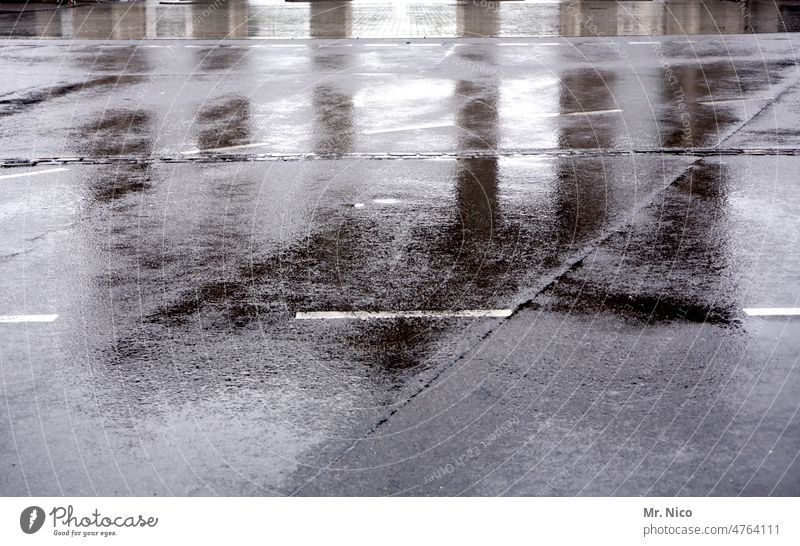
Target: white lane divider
(730,101)
(772,311)
(407,128)
(27,318)
(366,315)
(226,148)
(34,173)
(592,112)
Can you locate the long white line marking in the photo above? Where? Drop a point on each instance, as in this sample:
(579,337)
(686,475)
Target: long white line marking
(34,173)
(728,101)
(772,311)
(642,43)
(509,44)
(365,315)
(27,318)
(592,112)
(226,148)
(407,128)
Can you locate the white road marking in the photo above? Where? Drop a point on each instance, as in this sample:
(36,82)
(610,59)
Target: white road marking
(34,173)
(365,315)
(287,45)
(386,201)
(642,43)
(508,44)
(408,128)
(592,112)
(772,311)
(226,148)
(728,101)
(358,206)
(551,43)
(425,45)
(380,45)
(27,318)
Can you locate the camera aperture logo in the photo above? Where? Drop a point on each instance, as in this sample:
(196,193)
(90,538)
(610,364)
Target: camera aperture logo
(31,519)
(67,523)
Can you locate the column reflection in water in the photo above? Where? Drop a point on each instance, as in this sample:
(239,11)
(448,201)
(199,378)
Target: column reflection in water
(333,107)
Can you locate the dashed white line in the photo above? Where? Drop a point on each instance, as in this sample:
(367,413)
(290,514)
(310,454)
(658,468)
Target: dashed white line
(407,128)
(729,101)
(509,44)
(27,318)
(34,173)
(367,315)
(772,311)
(226,148)
(593,112)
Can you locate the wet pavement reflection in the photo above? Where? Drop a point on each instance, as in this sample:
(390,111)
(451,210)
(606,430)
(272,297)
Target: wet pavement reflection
(342,19)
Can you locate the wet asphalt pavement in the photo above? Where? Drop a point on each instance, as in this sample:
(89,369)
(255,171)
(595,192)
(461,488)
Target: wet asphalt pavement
(182,206)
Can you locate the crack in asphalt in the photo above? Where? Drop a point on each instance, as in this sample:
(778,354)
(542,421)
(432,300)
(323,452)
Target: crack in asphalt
(527,299)
(397,156)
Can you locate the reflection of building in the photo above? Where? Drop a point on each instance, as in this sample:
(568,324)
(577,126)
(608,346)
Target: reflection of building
(333,108)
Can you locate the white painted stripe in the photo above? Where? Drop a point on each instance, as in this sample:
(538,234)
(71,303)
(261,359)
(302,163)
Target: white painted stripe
(509,44)
(772,311)
(407,128)
(226,148)
(551,43)
(34,173)
(642,43)
(28,318)
(592,112)
(365,315)
(728,101)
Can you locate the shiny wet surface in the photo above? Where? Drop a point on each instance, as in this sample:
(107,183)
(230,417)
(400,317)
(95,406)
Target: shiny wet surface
(185,203)
(374,19)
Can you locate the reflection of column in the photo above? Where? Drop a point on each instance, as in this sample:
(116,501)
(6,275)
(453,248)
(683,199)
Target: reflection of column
(333,19)
(477,122)
(583,189)
(333,130)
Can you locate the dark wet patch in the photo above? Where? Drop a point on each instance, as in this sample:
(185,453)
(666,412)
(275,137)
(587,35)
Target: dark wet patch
(576,296)
(123,182)
(707,179)
(333,121)
(15,105)
(224,122)
(119,132)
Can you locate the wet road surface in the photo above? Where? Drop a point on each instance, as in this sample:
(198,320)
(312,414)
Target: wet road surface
(551,243)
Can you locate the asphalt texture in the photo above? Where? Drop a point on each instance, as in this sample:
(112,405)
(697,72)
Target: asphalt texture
(188,229)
